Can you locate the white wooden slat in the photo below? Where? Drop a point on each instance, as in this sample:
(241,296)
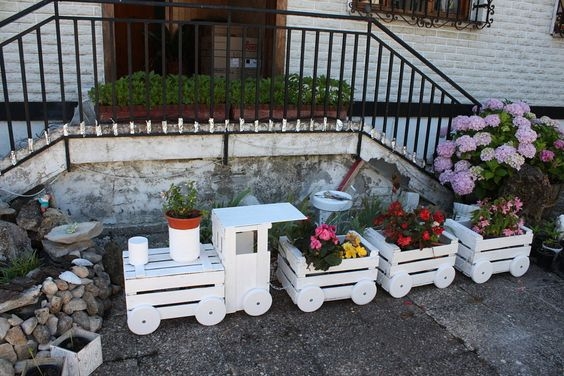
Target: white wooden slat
(419,266)
(336,279)
(394,255)
(464,266)
(293,255)
(139,271)
(384,281)
(180,310)
(134,286)
(421,279)
(257,214)
(292,292)
(500,254)
(338,292)
(289,274)
(157,297)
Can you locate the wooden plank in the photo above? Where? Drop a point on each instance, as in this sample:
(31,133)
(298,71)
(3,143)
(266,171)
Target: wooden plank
(423,265)
(463,266)
(180,310)
(158,298)
(338,292)
(292,292)
(421,279)
(335,279)
(500,254)
(133,286)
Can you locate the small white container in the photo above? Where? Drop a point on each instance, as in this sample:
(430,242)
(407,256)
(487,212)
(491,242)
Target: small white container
(138,247)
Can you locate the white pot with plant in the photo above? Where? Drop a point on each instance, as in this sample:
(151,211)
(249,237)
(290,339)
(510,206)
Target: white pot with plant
(183,221)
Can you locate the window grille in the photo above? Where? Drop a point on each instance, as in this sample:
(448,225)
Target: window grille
(430,13)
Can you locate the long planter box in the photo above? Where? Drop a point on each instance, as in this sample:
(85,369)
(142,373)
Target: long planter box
(309,288)
(171,112)
(402,270)
(164,289)
(479,258)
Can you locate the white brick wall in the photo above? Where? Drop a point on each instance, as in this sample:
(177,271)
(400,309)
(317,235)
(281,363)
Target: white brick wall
(49,49)
(516,58)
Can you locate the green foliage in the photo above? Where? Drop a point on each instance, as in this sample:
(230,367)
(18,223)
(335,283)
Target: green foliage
(206,225)
(548,231)
(19,267)
(180,201)
(150,89)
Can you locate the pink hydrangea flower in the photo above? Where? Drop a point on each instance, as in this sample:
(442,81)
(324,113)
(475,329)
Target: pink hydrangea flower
(546,155)
(446,149)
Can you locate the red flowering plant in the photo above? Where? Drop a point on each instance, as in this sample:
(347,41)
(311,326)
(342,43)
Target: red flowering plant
(409,230)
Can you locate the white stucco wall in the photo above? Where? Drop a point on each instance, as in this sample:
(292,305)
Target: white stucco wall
(516,58)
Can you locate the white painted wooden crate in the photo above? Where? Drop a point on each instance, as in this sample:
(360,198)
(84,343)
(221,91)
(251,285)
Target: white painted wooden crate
(402,270)
(86,360)
(309,288)
(164,289)
(479,258)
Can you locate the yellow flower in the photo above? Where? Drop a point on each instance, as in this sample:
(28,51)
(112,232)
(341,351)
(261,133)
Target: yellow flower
(350,250)
(361,251)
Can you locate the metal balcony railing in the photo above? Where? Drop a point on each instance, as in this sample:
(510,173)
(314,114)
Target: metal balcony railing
(190,66)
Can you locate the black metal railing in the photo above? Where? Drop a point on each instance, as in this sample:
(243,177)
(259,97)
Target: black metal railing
(558,29)
(247,65)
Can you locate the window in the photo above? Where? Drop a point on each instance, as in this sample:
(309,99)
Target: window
(558,20)
(430,13)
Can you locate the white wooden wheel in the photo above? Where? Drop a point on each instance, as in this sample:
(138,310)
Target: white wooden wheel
(363,292)
(481,271)
(444,276)
(400,284)
(519,266)
(257,301)
(210,311)
(310,298)
(143,319)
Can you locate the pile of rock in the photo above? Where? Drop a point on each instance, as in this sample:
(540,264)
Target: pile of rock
(77,294)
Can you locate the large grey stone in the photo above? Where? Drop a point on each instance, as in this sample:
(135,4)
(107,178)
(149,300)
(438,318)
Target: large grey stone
(4,326)
(13,241)
(51,219)
(83,231)
(42,334)
(7,352)
(30,216)
(15,336)
(58,251)
(64,323)
(28,326)
(74,305)
(6,368)
(5,209)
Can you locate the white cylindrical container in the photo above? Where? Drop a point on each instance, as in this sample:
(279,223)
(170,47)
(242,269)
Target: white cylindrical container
(184,244)
(138,247)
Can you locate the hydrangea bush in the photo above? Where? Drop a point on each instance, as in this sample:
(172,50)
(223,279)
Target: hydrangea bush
(488,147)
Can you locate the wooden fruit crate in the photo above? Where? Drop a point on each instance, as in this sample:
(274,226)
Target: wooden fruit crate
(309,288)
(402,270)
(164,289)
(479,258)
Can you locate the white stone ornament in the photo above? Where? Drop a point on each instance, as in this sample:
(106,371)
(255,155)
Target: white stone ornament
(256,126)
(70,277)
(131,127)
(212,125)
(164,126)
(149,126)
(339,125)
(81,262)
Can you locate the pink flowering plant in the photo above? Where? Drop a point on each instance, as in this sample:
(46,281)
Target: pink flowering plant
(324,248)
(497,218)
(493,144)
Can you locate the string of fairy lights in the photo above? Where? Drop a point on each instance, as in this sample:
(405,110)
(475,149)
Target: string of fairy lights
(211,127)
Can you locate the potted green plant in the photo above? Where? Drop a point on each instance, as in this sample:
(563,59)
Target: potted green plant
(547,242)
(150,96)
(183,220)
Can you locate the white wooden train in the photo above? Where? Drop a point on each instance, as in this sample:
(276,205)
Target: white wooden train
(230,275)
